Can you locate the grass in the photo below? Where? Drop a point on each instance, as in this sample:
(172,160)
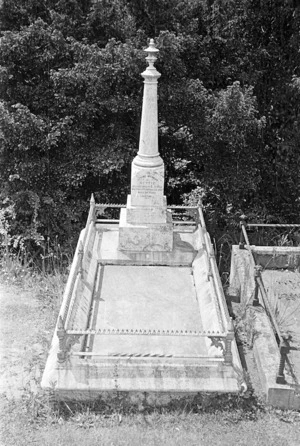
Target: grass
(47,281)
(35,418)
(218,426)
(244,324)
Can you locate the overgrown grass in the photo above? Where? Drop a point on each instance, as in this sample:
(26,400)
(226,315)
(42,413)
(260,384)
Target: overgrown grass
(46,278)
(244,323)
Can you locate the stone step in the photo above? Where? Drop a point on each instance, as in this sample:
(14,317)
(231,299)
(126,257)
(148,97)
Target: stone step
(91,378)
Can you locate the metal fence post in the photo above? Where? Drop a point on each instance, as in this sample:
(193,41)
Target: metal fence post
(62,338)
(242,238)
(284,349)
(257,274)
(228,343)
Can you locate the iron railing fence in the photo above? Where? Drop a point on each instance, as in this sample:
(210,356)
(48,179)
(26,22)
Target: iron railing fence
(108,213)
(244,225)
(194,216)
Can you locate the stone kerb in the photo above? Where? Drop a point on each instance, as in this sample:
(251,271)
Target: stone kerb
(75,268)
(79,313)
(242,280)
(64,311)
(82,279)
(213,276)
(277,257)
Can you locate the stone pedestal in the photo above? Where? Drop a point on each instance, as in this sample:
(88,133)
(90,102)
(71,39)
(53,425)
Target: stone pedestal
(145,237)
(146,214)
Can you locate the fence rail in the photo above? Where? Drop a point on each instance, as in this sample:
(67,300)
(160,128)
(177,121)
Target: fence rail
(213,273)
(272,225)
(118,205)
(148,332)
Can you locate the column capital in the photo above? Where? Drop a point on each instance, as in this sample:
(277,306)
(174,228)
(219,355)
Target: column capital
(151,50)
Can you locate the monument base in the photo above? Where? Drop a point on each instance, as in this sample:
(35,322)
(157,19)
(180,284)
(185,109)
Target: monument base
(146,214)
(145,237)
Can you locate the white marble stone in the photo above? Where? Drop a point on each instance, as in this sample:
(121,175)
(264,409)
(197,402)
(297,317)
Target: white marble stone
(145,237)
(146,214)
(146,224)
(184,250)
(148,155)
(147,186)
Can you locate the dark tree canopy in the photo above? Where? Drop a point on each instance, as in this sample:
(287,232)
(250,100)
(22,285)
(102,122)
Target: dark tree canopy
(71,97)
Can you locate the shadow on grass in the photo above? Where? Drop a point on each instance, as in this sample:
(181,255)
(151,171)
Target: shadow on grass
(244,406)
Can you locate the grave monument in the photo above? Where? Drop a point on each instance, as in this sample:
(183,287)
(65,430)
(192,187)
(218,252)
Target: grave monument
(145,223)
(143,313)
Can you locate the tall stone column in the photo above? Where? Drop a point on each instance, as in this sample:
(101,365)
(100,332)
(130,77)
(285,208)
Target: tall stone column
(145,224)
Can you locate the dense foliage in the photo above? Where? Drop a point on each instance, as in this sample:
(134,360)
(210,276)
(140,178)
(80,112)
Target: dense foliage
(71,96)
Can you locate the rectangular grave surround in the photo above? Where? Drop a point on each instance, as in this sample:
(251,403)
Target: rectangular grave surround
(158,291)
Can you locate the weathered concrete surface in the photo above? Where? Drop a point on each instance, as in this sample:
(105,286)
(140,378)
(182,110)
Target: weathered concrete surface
(145,237)
(184,251)
(151,297)
(242,281)
(206,295)
(283,288)
(277,257)
(93,378)
(146,214)
(267,358)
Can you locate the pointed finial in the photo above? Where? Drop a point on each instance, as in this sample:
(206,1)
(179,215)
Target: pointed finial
(151,50)
(92,200)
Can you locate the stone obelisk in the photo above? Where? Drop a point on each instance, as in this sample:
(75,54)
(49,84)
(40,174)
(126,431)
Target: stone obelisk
(145,223)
